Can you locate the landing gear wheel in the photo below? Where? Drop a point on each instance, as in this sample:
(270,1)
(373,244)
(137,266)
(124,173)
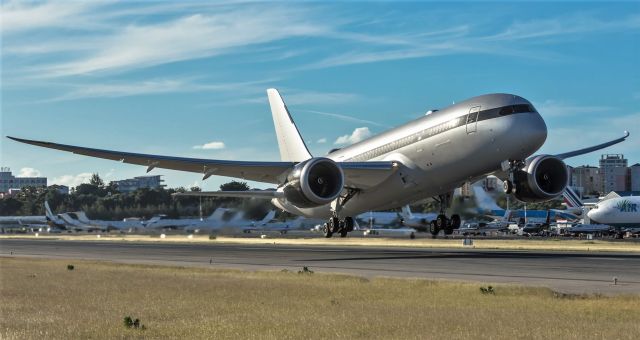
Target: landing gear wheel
(348,223)
(508,187)
(448,230)
(334,224)
(434,229)
(441,221)
(343,233)
(455,221)
(327,231)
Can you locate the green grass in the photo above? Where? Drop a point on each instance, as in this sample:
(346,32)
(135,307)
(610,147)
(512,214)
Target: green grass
(42,299)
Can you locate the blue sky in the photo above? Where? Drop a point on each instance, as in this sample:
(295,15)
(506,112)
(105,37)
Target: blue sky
(189,78)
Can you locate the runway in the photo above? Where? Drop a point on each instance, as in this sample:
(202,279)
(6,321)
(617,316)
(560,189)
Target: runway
(570,272)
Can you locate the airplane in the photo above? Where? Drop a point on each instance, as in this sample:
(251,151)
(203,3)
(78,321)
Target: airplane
(79,221)
(428,157)
(588,229)
(22,220)
(419,222)
(619,212)
(215,222)
(160,222)
(386,218)
(488,205)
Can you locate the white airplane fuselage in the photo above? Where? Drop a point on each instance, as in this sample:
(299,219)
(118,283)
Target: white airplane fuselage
(439,152)
(617,212)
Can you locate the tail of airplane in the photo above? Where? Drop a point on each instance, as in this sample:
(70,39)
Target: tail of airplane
(291,144)
(48,212)
(406,212)
(217,214)
(268,217)
(571,199)
(484,201)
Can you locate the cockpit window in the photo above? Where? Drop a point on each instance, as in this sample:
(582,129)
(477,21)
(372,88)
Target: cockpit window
(507,110)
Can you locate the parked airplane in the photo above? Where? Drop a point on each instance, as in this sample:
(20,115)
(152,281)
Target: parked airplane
(80,222)
(619,212)
(419,221)
(236,222)
(487,205)
(427,157)
(589,229)
(160,222)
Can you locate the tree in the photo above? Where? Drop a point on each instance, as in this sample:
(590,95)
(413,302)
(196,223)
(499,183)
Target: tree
(234,186)
(96,180)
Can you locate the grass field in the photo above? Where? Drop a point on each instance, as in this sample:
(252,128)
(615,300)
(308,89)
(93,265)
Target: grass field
(43,299)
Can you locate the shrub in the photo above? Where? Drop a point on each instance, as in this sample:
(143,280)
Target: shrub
(70,267)
(488,290)
(305,270)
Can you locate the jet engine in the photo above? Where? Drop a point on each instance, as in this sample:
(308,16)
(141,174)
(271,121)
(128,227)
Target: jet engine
(542,178)
(314,182)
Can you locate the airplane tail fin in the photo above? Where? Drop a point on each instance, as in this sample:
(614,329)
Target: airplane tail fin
(571,198)
(268,217)
(406,212)
(291,144)
(48,212)
(217,214)
(484,201)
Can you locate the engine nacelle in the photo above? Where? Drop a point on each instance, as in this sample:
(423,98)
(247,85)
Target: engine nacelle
(542,178)
(314,182)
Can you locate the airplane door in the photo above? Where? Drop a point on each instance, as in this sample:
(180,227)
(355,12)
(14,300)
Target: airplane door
(472,119)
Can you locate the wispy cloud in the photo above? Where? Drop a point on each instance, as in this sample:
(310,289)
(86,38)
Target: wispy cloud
(359,134)
(345,118)
(29,172)
(553,108)
(144,45)
(321,141)
(153,86)
(72,180)
(216,145)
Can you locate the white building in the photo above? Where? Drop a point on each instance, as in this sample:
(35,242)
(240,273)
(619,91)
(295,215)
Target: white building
(8,181)
(133,184)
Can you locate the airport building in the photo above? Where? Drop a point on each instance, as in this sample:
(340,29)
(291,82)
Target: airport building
(633,175)
(8,182)
(586,180)
(613,168)
(133,184)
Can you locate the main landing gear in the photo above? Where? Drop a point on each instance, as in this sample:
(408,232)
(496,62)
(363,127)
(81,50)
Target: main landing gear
(335,225)
(442,222)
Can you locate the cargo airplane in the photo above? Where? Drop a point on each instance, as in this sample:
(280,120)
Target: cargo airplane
(428,157)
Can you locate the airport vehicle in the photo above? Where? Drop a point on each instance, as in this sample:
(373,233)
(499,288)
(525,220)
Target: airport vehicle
(619,212)
(408,232)
(427,157)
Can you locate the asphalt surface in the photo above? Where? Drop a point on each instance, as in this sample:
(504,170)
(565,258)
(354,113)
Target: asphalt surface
(570,272)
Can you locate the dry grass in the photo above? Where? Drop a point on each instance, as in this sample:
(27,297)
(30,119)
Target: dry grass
(42,299)
(507,244)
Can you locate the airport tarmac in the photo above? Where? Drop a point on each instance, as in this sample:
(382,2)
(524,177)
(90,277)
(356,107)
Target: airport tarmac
(563,271)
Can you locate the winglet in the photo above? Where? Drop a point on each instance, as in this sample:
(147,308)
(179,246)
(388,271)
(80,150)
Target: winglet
(291,144)
(593,148)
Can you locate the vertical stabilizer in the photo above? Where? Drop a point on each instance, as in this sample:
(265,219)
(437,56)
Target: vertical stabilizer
(484,201)
(48,212)
(291,144)
(406,212)
(268,217)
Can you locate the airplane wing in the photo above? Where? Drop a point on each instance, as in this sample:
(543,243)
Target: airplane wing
(592,148)
(266,194)
(357,174)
